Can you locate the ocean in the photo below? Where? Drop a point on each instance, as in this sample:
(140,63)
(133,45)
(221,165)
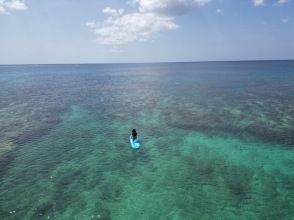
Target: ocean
(217,141)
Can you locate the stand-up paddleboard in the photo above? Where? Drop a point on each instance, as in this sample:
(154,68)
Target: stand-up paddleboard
(135,144)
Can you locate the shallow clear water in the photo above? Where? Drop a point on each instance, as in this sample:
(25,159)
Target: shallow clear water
(217,141)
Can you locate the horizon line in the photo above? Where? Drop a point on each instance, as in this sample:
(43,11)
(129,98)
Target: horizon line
(151,62)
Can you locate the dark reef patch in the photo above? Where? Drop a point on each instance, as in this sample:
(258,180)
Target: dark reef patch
(43,210)
(5,160)
(238,181)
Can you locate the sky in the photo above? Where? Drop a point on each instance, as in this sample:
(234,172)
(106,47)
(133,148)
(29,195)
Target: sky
(130,31)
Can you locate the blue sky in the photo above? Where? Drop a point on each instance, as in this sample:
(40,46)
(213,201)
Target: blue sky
(107,31)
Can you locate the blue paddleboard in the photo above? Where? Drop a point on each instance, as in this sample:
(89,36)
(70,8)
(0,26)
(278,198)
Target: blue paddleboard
(135,144)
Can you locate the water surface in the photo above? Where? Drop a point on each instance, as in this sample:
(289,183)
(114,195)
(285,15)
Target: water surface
(217,141)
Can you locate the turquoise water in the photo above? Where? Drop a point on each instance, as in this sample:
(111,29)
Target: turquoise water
(217,141)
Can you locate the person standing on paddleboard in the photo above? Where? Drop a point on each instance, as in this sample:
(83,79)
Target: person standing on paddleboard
(134,134)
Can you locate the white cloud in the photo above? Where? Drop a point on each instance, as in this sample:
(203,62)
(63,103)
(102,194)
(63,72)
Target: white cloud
(113,12)
(117,30)
(258,2)
(17,5)
(2,9)
(91,24)
(262,2)
(219,11)
(285,20)
(168,7)
(150,18)
(282,2)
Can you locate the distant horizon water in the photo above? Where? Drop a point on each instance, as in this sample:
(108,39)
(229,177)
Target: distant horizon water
(151,62)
